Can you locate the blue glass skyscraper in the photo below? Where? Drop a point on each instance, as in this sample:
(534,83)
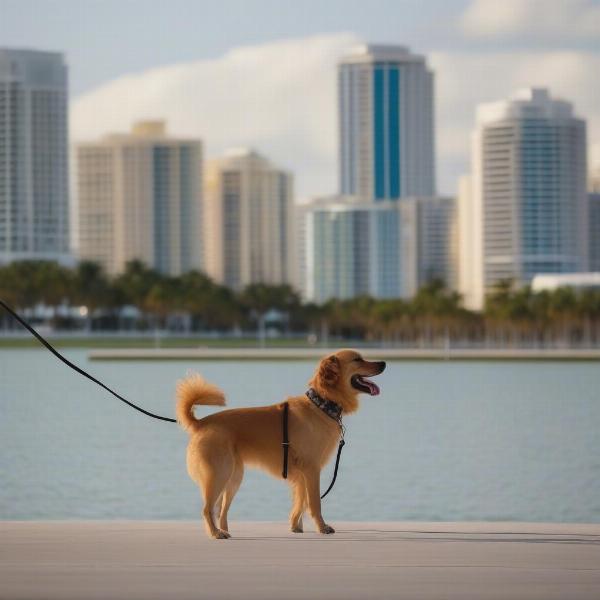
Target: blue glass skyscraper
(386,124)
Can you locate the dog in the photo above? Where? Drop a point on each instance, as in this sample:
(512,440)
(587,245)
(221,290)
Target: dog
(222,443)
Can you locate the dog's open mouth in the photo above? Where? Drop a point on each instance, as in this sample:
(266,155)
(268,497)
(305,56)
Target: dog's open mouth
(362,384)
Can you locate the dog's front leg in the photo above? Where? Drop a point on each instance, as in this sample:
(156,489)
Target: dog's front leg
(312,478)
(299,504)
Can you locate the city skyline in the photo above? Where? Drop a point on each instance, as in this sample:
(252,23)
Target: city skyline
(500,48)
(374,81)
(386,116)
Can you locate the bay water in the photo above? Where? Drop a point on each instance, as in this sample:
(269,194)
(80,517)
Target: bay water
(448,441)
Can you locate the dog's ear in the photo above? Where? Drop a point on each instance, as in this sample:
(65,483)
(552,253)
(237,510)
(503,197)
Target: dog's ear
(329,370)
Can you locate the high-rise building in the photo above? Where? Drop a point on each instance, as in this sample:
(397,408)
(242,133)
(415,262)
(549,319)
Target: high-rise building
(140,198)
(34,195)
(386,124)
(436,239)
(356,248)
(379,249)
(249,221)
(528,197)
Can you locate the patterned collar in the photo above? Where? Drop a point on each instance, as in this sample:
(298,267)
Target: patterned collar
(331,409)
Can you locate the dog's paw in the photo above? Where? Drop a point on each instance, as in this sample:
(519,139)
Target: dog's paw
(297,530)
(221,535)
(327,529)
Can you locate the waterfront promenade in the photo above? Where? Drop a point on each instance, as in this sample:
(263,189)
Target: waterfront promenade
(156,560)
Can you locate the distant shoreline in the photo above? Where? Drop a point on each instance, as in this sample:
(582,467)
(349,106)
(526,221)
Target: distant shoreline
(148,347)
(315,353)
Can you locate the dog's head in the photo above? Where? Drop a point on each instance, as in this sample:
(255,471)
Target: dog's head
(342,376)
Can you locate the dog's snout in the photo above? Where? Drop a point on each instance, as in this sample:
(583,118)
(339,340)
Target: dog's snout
(382,366)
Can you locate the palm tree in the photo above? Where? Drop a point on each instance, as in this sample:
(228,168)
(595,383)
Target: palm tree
(27,283)
(563,310)
(134,284)
(90,287)
(387,317)
(210,304)
(436,309)
(163,298)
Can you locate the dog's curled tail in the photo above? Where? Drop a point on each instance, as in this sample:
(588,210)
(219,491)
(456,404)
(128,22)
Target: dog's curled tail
(191,391)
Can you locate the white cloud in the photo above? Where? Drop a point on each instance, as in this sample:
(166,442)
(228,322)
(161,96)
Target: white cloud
(277,97)
(551,19)
(281,99)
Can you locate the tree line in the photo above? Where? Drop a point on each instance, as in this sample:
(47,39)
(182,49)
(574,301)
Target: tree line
(435,315)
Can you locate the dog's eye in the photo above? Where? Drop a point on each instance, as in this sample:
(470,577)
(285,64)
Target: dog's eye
(357,359)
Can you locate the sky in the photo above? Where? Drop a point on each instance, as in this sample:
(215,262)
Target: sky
(261,73)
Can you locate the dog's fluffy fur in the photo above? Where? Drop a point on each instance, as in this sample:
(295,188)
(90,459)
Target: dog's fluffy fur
(222,443)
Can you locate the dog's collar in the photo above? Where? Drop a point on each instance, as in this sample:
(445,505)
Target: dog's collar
(331,409)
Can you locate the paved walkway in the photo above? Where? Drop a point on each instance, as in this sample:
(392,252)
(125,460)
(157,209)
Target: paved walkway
(175,560)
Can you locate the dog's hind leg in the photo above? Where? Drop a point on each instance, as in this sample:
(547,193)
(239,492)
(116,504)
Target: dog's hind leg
(230,490)
(215,471)
(299,504)
(211,495)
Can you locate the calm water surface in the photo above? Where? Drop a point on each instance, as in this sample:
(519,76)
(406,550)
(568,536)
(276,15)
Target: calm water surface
(444,441)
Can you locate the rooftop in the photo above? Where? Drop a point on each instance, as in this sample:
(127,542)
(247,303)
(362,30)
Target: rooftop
(381,52)
(154,128)
(145,132)
(525,103)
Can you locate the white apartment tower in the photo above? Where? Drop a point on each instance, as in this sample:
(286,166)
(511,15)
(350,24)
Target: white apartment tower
(358,248)
(140,198)
(386,124)
(249,221)
(382,249)
(527,204)
(34,196)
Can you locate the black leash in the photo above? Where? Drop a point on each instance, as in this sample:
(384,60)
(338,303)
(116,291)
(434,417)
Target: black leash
(335,470)
(286,442)
(75,367)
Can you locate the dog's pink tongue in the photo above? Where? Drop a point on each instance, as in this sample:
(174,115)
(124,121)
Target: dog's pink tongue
(373,388)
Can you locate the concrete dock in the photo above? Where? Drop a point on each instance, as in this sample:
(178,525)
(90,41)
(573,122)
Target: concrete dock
(158,560)
(314,354)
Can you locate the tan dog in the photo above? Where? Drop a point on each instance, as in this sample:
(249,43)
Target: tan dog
(222,443)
